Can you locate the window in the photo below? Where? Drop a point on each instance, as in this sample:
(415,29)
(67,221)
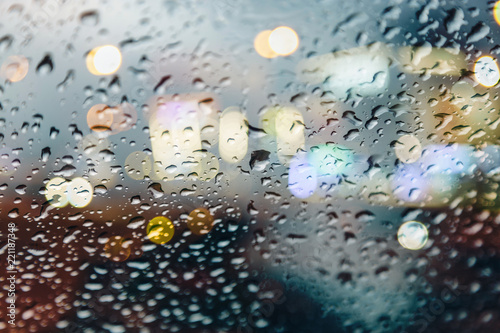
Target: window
(249,166)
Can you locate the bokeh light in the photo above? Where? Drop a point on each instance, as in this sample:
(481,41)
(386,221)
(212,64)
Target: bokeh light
(413,235)
(80,192)
(408,148)
(410,184)
(104,60)
(57,192)
(208,165)
(138,165)
(200,221)
(15,68)
(360,71)
(448,159)
(489,160)
(486,71)
(100,118)
(463,93)
(91,144)
(233,135)
(160,230)
(175,138)
(102,173)
(117,249)
(261,45)
(290,135)
(124,117)
(496,12)
(331,160)
(109,120)
(431,60)
(302,177)
(268,120)
(434,178)
(283,41)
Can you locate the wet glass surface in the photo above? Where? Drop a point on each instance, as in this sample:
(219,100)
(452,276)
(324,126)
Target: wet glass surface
(249,166)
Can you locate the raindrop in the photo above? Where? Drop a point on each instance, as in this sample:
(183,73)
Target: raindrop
(89,18)
(45,66)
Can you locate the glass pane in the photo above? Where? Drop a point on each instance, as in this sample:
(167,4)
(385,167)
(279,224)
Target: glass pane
(249,166)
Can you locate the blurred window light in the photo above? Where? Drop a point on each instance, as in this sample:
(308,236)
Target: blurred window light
(57,192)
(104,60)
(413,235)
(283,41)
(360,71)
(486,71)
(408,148)
(80,192)
(431,60)
(261,45)
(14,68)
(233,135)
(176,137)
(496,12)
(302,177)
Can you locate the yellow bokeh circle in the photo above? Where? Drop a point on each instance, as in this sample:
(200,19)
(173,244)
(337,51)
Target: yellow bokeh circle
(160,230)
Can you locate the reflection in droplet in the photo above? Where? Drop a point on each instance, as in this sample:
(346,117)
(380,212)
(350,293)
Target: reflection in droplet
(117,249)
(233,135)
(80,192)
(284,41)
(138,165)
(261,45)
(412,235)
(57,192)
(160,230)
(15,68)
(104,60)
(486,71)
(408,148)
(200,221)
